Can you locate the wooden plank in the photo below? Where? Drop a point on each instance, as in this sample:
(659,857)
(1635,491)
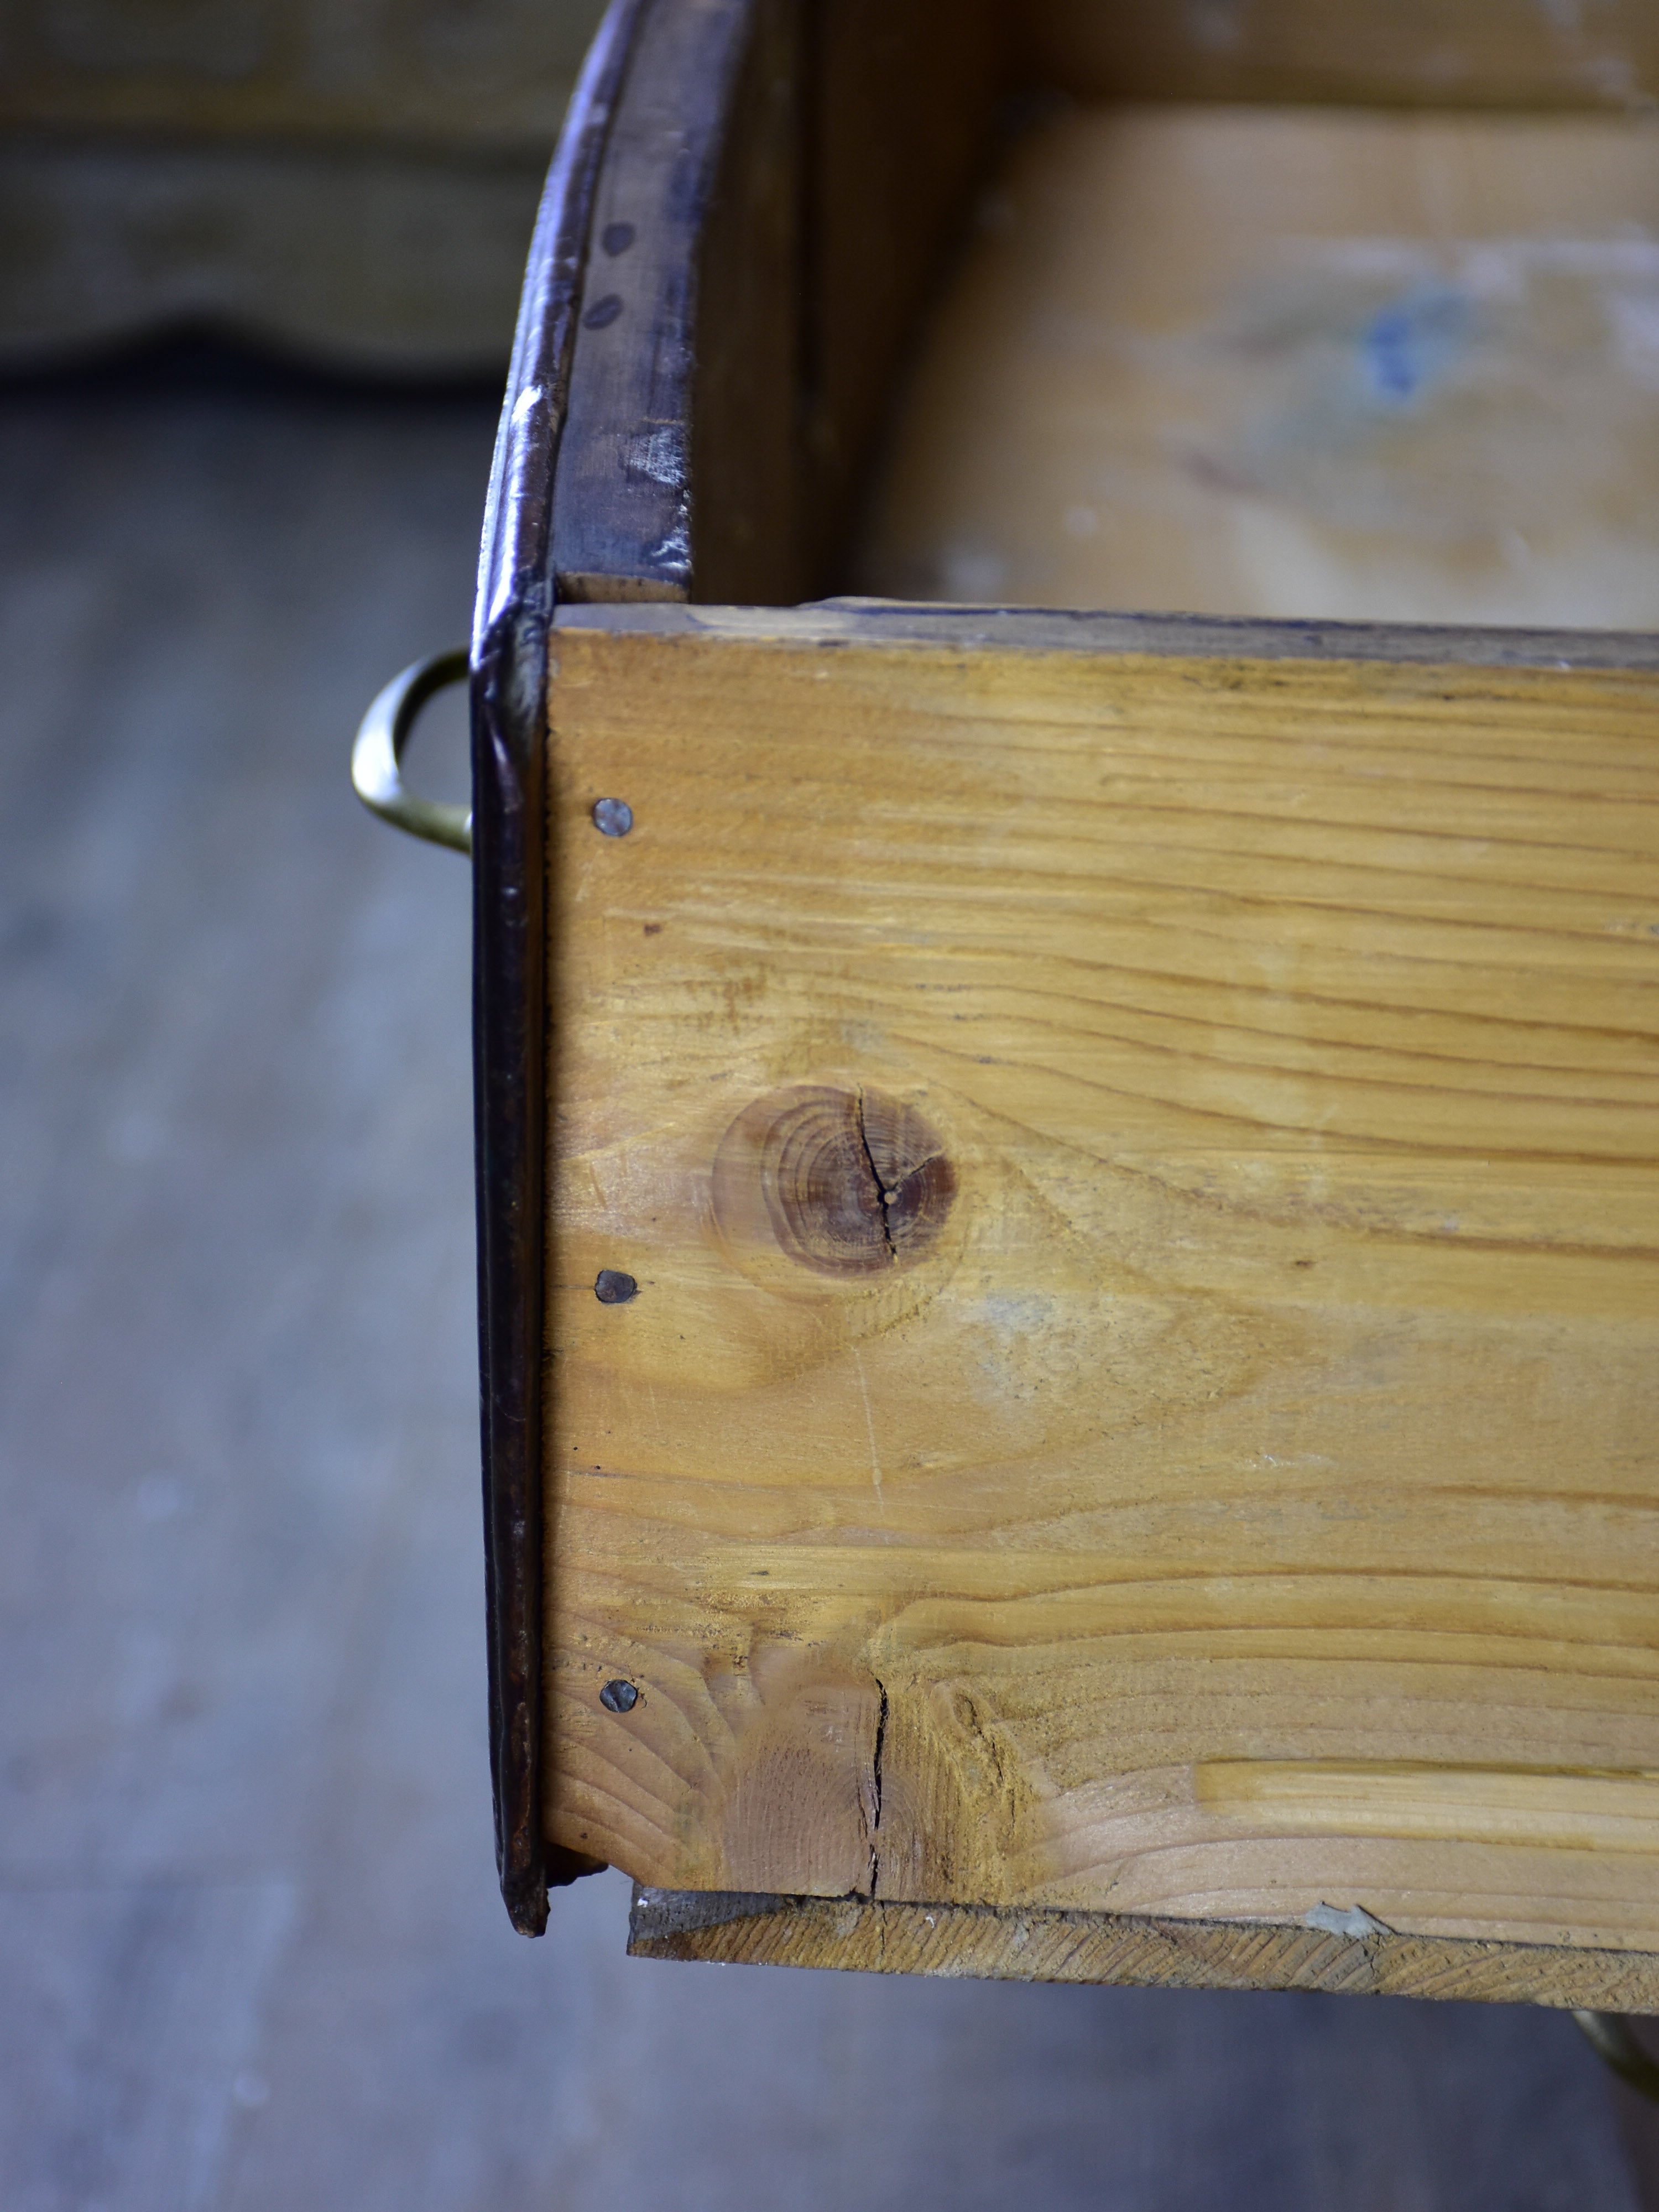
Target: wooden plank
(1369,366)
(1413,53)
(863,1936)
(1210,1474)
(509,999)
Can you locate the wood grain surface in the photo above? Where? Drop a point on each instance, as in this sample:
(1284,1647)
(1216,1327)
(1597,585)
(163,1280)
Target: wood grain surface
(1138,1169)
(777,192)
(1359,1958)
(1372,366)
(1413,53)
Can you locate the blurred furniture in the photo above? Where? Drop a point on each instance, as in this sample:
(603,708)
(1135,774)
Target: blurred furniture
(354,184)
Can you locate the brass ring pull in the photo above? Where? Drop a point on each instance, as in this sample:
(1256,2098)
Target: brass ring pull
(378,750)
(1611,2034)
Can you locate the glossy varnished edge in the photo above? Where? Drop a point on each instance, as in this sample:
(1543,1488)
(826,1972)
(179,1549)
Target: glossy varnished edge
(780,184)
(735,1928)
(509,1005)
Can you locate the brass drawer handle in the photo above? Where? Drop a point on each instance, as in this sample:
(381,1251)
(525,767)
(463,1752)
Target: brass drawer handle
(377,750)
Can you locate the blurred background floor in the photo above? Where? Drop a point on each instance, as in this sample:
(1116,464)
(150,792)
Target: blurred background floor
(251,1951)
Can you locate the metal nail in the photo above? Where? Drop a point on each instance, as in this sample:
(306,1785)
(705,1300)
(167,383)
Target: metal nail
(612,1288)
(612,818)
(619,1696)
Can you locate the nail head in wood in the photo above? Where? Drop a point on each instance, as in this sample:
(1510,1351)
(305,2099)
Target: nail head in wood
(613,1288)
(619,1696)
(612,818)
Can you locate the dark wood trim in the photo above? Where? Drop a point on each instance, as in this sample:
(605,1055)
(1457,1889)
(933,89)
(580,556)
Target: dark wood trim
(775,206)
(509,1021)
(1036,1945)
(621,513)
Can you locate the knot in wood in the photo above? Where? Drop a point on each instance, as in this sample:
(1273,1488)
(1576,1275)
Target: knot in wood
(850,1182)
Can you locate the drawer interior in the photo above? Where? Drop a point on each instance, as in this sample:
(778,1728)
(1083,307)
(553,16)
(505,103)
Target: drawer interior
(1370,364)
(1244,308)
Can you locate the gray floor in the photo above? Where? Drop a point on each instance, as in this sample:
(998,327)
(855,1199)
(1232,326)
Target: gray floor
(251,1954)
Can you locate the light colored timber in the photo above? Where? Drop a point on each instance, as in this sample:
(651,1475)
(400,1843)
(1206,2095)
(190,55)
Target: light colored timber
(1435,53)
(1369,366)
(956,1940)
(1140,1167)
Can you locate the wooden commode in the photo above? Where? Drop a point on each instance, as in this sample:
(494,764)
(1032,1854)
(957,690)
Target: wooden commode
(1067,838)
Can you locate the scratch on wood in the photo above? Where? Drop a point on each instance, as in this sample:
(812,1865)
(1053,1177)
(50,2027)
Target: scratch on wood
(870,1424)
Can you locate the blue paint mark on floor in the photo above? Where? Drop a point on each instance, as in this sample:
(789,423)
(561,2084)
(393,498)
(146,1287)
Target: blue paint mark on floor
(1412,342)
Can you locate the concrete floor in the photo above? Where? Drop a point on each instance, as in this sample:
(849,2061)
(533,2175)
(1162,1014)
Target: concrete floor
(251,1954)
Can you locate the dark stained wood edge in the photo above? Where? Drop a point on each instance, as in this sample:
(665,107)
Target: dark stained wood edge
(781,184)
(837,623)
(509,1000)
(622,509)
(984,1942)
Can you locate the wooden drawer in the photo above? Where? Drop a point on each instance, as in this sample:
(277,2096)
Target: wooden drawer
(1068,1225)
